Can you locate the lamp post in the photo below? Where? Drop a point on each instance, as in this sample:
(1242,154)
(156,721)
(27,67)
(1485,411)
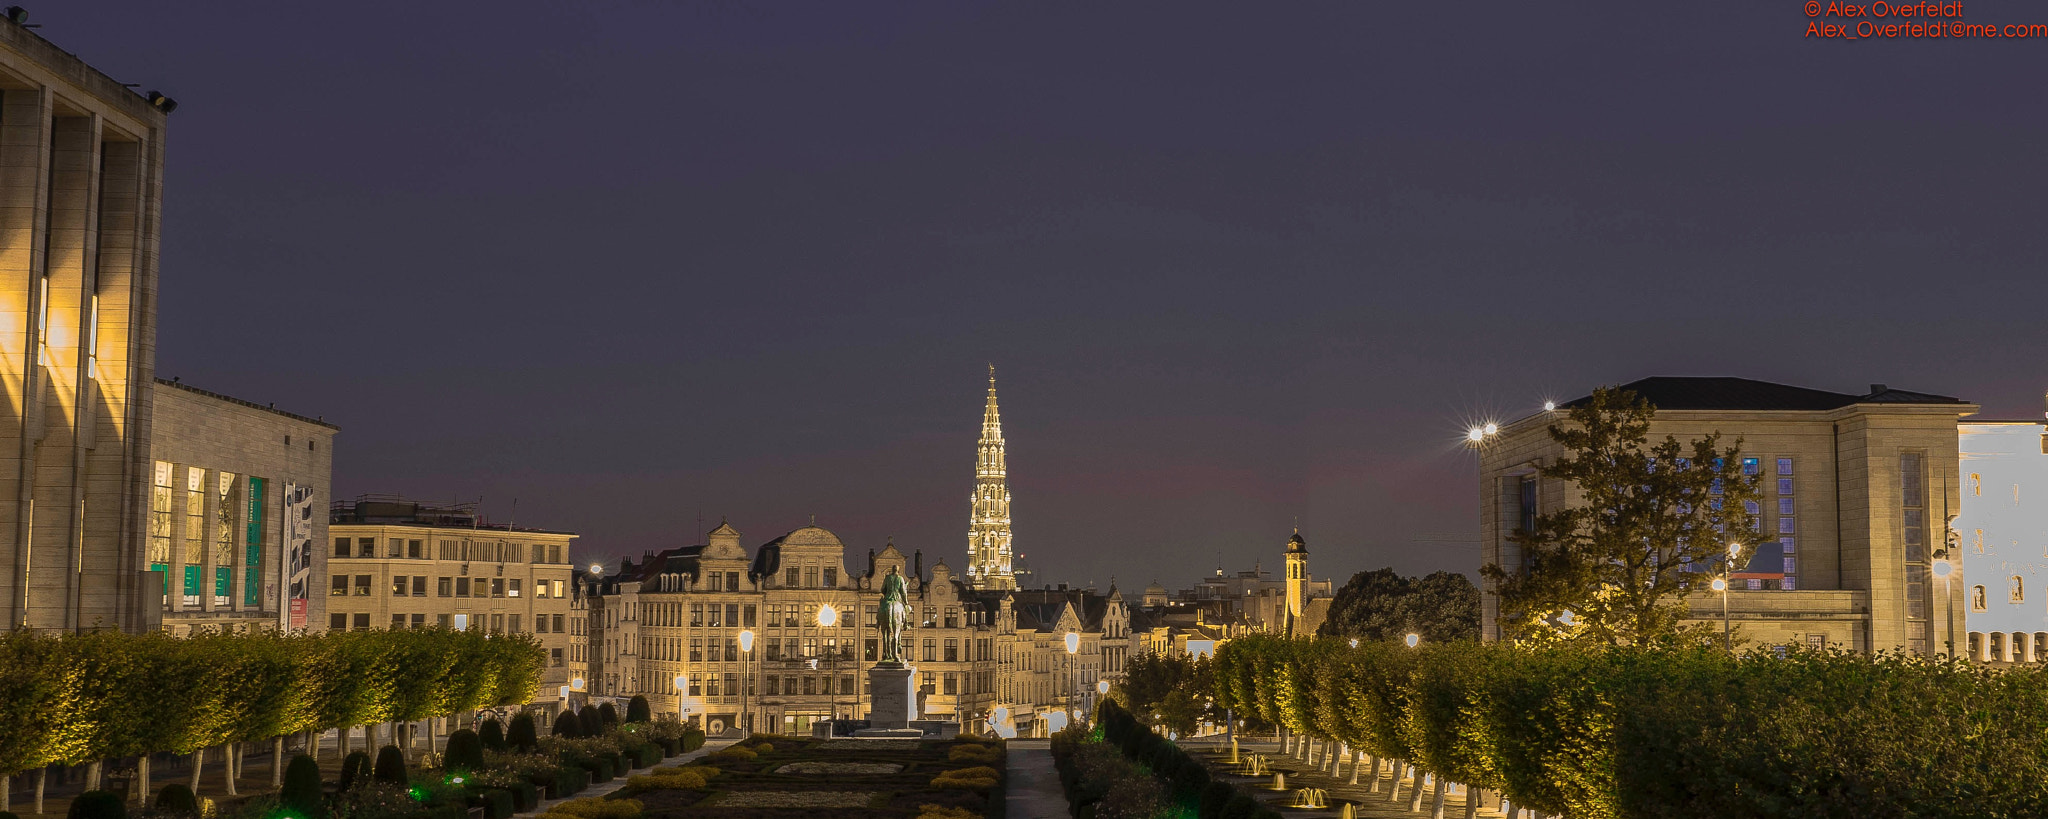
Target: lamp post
(1727,639)
(746,680)
(1073,645)
(827,618)
(1942,569)
(682,693)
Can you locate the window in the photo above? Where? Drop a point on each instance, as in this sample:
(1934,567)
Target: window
(556,587)
(341,547)
(696,614)
(713,651)
(869,651)
(481,588)
(441,620)
(419,585)
(697,650)
(710,685)
(558,623)
(397,548)
(444,586)
(774,614)
(2018,593)
(811,576)
(732,614)
(340,586)
(931,650)
(952,683)
(363,586)
(398,586)
(497,587)
(540,554)
(714,582)
(512,623)
(772,649)
(362,621)
(540,624)
(789,615)
(774,686)
(337,622)
(419,621)
(952,617)
(160,522)
(1913,537)
(462,587)
(366,547)
(748,610)
(716,612)
(397,621)
(555,657)
(732,684)
(952,652)
(810,684)
(789,577)
(415,549)
(1785,468)
(832,577)
(512,587)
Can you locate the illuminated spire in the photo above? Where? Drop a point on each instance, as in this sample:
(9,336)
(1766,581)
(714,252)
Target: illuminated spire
(988,531)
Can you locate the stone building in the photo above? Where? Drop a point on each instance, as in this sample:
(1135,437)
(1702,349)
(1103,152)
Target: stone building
(2000,560)
(225,475)
(990,553)
(1856,491)
(80,195)
(396,563)
(1252,600)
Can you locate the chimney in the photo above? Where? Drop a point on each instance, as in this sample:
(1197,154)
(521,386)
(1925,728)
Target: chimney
(1876,388)
(1063,587)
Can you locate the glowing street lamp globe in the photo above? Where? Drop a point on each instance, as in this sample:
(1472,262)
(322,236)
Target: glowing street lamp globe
(1102,687)
(1943,568)
(747,640)
(827,615)
(1720,584)
(1073,642)
(682,682)
(597,568)
(1492,429)
(1414,639)
(1475,435)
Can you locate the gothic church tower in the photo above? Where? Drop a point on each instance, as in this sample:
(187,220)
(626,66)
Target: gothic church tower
(988,531)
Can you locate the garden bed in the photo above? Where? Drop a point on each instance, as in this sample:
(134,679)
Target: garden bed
(777,776)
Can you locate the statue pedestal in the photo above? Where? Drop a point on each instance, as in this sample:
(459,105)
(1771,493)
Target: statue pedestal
(893,688)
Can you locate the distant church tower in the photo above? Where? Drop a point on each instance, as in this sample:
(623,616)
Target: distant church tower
(1297,579)
(988,530)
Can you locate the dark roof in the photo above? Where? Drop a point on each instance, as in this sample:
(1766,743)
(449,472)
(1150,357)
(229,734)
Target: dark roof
(250,404)
(1040,610)
(1718,393)
(680,560)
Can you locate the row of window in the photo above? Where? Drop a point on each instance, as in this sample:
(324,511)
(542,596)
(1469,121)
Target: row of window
(725,685)
(715,650)
(502,623)
(415,549)
(207,539)
(793,615)
(416,586)
(807,577)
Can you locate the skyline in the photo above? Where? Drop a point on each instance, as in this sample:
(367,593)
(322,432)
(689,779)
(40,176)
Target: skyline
(629,266)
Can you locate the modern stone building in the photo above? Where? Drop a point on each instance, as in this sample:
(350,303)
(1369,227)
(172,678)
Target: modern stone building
(1998,540)
(396,563)
(226,478)
(1856,489)
(81,172)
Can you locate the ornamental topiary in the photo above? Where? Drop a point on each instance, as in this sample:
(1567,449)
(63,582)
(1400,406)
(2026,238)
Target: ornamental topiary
(390,765)
(355,770)
(301,793)
(567,725)
(609,714)
(465,751)
(592,722)
(636,709)
(177,799)
(492,734)
(521,737)
(98,805)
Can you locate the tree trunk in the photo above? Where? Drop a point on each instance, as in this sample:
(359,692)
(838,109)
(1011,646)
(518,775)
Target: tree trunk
(6,793)
(1357,761)
(142,779)
(348,739)
(42,779)
(1436,806)
(92,775)
(231,766)
(277,763)
(1415,789)
(1473,796)
(1397,768)
(198,763)
(1375,775)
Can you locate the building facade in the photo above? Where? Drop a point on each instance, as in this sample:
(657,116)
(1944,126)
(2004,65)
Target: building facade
(2000,540)
(80,190)
(394,563)
(226,478)
(1857,491)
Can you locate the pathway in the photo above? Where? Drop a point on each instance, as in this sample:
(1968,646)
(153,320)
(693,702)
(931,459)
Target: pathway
(1034,789)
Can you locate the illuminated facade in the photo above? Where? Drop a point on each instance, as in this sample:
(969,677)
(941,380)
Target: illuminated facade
(1856,491)
(1998,539)
(988,530)
(79,204)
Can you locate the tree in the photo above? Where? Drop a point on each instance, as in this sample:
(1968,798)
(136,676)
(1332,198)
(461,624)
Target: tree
(1382,605)
(302,791)
(637,710)
(492,734)
(521,737)
(390,765)
(1656,523)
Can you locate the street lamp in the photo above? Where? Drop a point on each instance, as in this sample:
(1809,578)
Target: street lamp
(1942,569)
(682,692)
(1414,639)
(1354,642)
(828,617)
(1073,645)
(746,680)
(1727,640)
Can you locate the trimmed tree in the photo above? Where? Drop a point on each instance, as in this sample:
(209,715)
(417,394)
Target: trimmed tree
(97,805)
(637,710)
(465,751)
(177,799)
(609,714)
(390,765)
(302,792)
(492,735)
(355,770)
(521,737)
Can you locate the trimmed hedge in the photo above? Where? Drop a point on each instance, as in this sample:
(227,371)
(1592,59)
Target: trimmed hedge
(1686,731)
(521,737)
(177,799)
(692,740)
(637,710)
(390,766)
(302,792)
(492,735)
(496,802)
(98,805)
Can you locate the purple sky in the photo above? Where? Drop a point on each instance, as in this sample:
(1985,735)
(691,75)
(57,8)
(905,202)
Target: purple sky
(636,262)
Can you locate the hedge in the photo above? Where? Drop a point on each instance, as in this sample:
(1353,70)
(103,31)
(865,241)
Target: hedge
(1667,731)
(76,698)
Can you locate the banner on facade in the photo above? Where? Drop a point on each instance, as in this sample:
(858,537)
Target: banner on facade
(298,545)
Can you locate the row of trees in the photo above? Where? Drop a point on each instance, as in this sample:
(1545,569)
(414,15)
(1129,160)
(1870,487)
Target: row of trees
(81,699)
(1383,605)
(1682,730)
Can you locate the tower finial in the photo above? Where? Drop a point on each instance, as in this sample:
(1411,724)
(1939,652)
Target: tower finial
(991,375)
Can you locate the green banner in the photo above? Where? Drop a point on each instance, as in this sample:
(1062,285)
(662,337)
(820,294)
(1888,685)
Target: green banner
(252,586)
(192,581)
(166,569)
(223,582)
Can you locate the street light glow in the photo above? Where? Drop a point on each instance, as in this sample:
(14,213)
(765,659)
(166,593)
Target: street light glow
(1102,687)
(1492,429)
(682,682)
(747,640)
(1720,584)
(1414,639)
(1475,435)
(827,615)
(1942,568)
(597,568)
(1073,642)
(1549,406)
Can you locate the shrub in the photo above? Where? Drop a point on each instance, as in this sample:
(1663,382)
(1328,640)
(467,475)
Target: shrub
(302,788)
(943,812)
(496,802)
(735,753)
(569,781)
(978,778)
(1214,797)
(590,723)
(692,739)
(98,805)
(465,751)
(492,735)
(637,710)
(1241,806)
(390,765)
(608,714)
(596,809)
(177,799)
(674,779)
(567,725)
(355,770)
(521,737)
(765,748)
(971,752)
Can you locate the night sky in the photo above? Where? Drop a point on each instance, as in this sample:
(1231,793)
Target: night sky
(637,264)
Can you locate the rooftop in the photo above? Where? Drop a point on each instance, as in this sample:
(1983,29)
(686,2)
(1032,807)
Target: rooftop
(1721,393)
(250,404)
(394,510)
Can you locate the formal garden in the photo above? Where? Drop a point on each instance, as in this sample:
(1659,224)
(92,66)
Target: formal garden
(782,776)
